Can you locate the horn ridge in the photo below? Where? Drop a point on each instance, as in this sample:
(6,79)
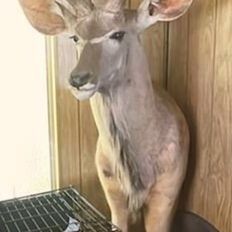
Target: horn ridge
(45,16)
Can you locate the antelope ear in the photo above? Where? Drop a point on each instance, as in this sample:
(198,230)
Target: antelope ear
(41,15)
(168,10)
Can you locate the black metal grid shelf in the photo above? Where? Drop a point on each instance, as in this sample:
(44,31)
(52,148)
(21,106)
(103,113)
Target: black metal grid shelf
(54,211)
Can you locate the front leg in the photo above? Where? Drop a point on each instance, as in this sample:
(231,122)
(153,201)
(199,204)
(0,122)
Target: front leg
(116,199)
(161,203)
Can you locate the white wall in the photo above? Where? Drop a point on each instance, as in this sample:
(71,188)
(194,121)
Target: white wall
(24,142)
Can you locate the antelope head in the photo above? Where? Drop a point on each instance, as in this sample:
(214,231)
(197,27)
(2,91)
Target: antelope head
(103,32)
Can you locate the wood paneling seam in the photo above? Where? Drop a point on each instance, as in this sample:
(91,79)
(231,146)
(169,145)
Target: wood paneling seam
(214,74)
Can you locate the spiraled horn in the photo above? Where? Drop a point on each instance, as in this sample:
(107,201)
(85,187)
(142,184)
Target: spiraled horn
(45,19)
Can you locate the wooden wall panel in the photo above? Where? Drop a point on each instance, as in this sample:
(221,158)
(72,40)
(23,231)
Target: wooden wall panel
(199,95)
(177,82)
(220,172)
(67,118)
(199,73)
(200,63)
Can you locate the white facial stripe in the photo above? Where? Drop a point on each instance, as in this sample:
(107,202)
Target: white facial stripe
(96,40)
(81,43)
(102,38)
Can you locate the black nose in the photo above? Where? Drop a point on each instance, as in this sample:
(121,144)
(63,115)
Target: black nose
(79,79)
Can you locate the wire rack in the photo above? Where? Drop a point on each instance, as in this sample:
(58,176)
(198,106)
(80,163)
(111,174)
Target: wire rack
(59,210)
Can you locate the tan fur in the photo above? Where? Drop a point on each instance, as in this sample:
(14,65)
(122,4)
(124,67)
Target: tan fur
(161,198)
(142,149)
(115,196)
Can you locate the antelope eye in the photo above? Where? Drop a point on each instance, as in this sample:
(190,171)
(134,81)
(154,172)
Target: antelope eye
(119,35)
(74,38)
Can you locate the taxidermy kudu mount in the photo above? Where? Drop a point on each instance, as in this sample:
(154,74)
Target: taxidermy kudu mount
(143,143)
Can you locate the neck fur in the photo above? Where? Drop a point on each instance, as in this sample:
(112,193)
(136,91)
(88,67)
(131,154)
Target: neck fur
(121,115)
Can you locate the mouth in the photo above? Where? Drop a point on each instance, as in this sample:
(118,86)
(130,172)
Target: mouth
(84,90)
(86,86)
